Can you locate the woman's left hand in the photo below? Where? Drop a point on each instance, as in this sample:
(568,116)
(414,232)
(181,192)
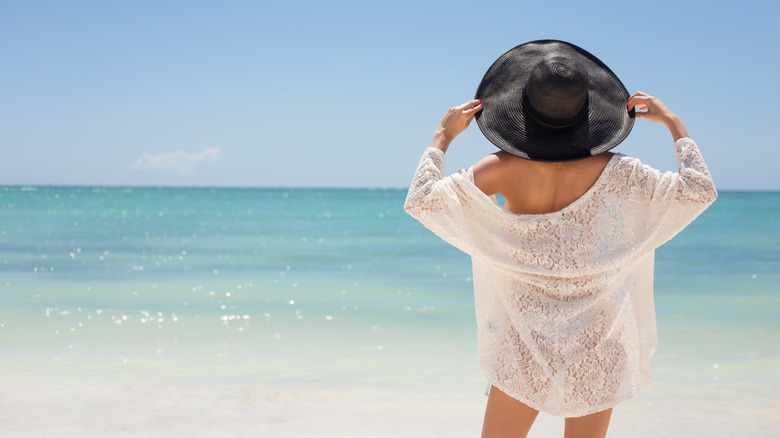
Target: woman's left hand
(454,122)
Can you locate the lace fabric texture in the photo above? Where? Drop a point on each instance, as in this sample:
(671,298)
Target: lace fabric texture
(564,300)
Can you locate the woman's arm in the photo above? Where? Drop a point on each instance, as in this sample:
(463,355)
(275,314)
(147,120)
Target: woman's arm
(696,183)
(423,196)
(652,109)
(673,200)
(454,122)
(487,175)
(437,201)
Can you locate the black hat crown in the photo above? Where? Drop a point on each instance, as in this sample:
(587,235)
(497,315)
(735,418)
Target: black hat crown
(557,92)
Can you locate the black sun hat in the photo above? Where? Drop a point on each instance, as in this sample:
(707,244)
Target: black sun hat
(550,100)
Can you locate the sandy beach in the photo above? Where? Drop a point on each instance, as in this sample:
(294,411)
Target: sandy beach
(154,407)
(255,387)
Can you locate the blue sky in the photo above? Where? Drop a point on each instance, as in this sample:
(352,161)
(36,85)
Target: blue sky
(347,94)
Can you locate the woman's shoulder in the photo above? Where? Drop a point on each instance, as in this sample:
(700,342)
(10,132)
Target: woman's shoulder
(496,160)
(491,172)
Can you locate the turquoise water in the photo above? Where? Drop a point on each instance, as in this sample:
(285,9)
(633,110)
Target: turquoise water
(326,284)
(110,248)
(272,284)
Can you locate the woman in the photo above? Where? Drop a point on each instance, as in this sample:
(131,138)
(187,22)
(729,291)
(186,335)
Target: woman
(563,271)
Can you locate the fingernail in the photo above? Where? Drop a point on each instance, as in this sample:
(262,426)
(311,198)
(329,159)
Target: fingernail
(480,101)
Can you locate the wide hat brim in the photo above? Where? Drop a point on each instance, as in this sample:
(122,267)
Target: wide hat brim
(506,122)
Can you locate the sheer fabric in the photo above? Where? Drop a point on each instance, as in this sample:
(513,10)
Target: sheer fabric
(564,300)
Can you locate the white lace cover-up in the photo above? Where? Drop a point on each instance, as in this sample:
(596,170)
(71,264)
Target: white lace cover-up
(564,300)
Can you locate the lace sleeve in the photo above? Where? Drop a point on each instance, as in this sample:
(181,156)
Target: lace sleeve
(433,200)
(670,201)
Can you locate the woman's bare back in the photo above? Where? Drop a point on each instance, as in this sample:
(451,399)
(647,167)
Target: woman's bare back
(532,187)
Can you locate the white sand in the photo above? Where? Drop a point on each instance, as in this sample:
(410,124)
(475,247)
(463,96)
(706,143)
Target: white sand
(240,385)
(164,406)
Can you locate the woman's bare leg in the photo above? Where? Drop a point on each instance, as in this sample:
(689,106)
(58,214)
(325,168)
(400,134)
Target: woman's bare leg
(589,426)
(506,417)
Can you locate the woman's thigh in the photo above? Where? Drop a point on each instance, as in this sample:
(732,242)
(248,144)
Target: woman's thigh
(589,426)
(506,417)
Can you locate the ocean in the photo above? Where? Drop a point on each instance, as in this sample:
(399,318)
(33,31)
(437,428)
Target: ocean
(331,312)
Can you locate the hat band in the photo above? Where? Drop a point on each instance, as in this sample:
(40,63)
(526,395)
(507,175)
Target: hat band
(552,122)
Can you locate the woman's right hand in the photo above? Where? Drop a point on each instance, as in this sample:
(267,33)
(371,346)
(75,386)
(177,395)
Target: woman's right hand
(650,108)
(454,122)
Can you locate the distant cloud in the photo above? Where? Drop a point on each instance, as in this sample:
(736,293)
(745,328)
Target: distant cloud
(179,161)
